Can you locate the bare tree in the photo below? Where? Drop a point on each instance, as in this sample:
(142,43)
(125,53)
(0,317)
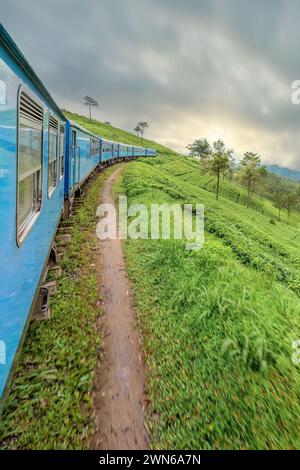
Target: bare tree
(89,101)
(140,129)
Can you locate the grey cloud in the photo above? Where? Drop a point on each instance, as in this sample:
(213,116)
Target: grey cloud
(173,63)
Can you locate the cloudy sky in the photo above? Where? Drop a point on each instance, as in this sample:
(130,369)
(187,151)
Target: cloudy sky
(192,68)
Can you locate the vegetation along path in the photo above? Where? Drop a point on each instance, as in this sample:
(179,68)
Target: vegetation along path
(120,380)
(217,324)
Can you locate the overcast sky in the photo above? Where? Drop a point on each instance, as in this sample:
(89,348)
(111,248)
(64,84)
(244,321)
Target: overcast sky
(191,68)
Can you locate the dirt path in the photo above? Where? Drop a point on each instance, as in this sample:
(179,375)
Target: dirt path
(120,383)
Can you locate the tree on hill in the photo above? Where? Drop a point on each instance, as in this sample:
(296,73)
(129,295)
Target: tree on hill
(219,163)
(260,184)
(200,148)
(140,129)
(249,172)
(285,197)
(297,194)
(291,200)
(279,200)
(90,102)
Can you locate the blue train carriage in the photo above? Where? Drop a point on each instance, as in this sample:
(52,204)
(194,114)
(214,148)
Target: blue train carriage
(123,151)
(32,167)
(106,151)
(129,151)
(135,151)
(115,151)
(83,156)
(150,152)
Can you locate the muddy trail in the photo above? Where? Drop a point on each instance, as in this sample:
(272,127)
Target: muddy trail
(119,390)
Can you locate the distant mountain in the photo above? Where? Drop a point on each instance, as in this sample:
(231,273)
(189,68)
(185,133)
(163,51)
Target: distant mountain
(286,172)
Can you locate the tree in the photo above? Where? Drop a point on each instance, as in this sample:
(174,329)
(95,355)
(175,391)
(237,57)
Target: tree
(90,102)
(290,197)
(279,200)
(200,148)
(219,162)
(297,195)
(137,129)
(261,181)
(140,129)
(249,172)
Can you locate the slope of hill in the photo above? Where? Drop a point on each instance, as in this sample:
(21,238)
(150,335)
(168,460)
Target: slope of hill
(110,132)
(219,322)
(286,172)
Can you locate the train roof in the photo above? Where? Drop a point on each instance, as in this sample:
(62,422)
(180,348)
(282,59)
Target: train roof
(7,42)
(83,129)
(111,141)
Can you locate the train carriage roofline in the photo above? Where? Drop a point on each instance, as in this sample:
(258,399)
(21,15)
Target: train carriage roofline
(7,43)
(29,263)
(83,129)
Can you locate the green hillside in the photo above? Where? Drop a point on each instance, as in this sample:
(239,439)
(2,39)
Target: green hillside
(110,132)
(218,323)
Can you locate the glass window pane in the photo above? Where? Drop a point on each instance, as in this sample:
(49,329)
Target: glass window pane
(52,175)
(26,199)
(61,152)
(37,190)
(30,150)
(62,144)
(52,146)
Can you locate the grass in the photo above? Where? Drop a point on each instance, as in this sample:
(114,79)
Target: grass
(110,132)
(255,242)
(50,402)
(218,323)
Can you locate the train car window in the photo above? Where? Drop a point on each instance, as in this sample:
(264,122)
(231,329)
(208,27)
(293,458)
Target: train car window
(30,151)
(52,154)
(94,147)
(2,92)
(62,150)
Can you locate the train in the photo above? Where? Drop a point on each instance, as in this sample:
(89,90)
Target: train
(45,159)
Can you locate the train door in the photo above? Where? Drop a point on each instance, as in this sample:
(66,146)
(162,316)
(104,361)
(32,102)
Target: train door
(73,158)
(75,162)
